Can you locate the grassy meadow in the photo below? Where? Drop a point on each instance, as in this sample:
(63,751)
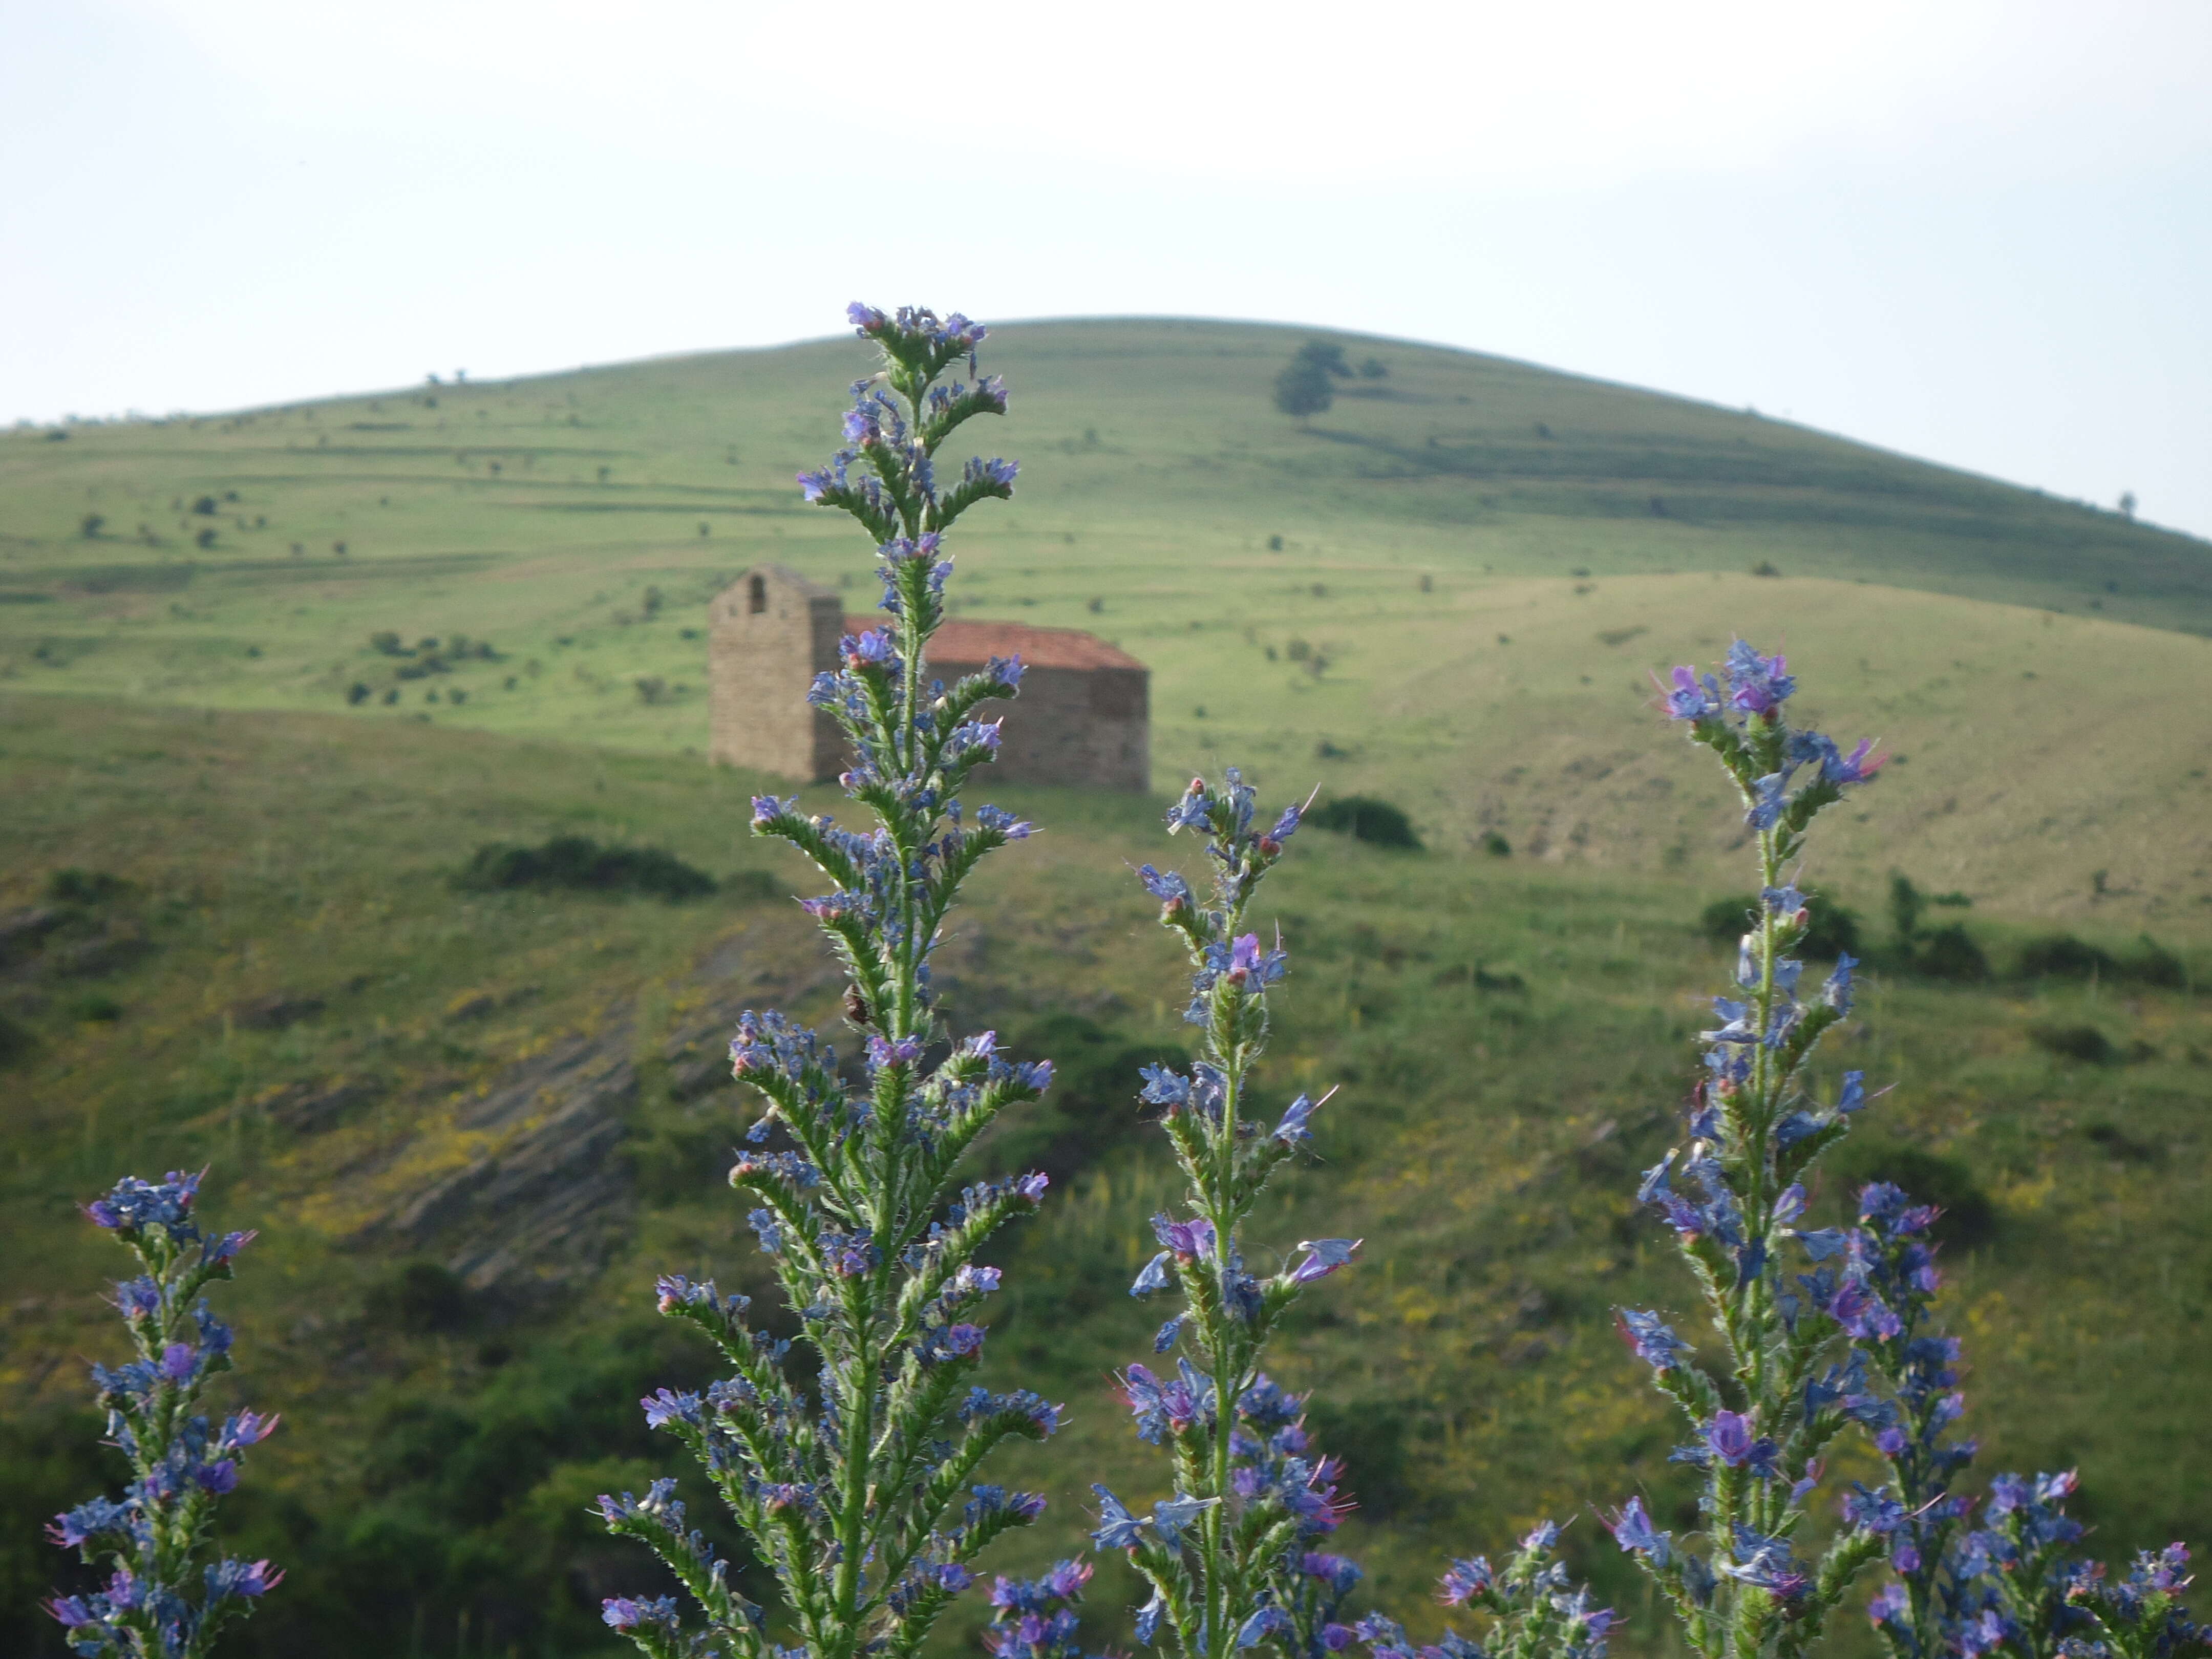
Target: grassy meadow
(472,1125)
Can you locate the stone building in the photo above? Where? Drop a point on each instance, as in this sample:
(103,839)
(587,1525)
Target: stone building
(1082,720)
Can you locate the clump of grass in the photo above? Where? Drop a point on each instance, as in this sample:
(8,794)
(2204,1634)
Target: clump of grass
(582,865)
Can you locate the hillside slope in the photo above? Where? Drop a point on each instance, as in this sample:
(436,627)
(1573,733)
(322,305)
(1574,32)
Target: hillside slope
(473,1126)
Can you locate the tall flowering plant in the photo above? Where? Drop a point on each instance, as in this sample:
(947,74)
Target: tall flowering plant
(2005,1587)
(162,1599)
(1783,1386)
(860,1491)
(1227,1554)
(1236,1558)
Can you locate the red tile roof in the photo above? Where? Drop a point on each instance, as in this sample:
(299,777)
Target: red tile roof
(967,644)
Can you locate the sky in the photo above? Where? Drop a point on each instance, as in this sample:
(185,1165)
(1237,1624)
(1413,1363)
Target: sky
(1972,230)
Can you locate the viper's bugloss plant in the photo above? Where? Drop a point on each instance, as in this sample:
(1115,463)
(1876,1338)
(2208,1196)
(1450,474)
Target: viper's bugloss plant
(1536,1612)
(1226,1552)
(859,1492)
(1035,1617)
(1783,1387)
(2008,1586)
(163,1600)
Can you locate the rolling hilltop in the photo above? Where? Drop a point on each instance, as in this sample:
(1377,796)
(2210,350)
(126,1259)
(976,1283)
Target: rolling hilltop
(1445,586)
(473,1120)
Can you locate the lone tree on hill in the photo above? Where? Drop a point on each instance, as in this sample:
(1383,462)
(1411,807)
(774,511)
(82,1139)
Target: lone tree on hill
(1308,386)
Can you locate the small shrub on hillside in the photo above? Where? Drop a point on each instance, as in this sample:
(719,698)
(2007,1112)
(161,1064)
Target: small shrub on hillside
(1967,1217)
(77,886)
(16,1042)
(1949,953)
(581,864)
(1833,930)
(2060,955)
(2085,1043)
(1365,817)
(2154,965)
(422,1299)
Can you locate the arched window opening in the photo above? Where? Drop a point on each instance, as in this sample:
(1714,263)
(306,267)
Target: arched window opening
(758,596)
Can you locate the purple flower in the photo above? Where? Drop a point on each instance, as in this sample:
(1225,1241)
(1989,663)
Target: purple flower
(1323,1257)
(868,321)
(87,1520)
(218,1477)
(1191,1240)
(235,1577)
(1765,1563)
(1874,1511)
(1171,888)
(1148,1617)
(1632,1530)
(1339,1573)
(1264,1622)
(1769,795)
(665,1407)
(1293,1128)
(1982,1634)
(1757,685)
(1154,1277)
(1007,670)
(1117,1528)
(1729,1438)
(1854,767)
(1464,1580)
(1652,1338)
(1862,1313)
(1836,991)
(883,1052)
(999,822)
(1890,1604)
(72,1610)
(179,1362)
(1171,1514)
(1244,956)
(873,646)
(1688,698)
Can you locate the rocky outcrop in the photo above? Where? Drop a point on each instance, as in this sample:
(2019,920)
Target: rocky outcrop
(548,1196)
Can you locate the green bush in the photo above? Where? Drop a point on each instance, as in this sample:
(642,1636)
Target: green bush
(2060,955)
(1365,817)
(1834,929)
(580,863)
(1968,1216)
(2083,1042)
(1950,953)
(75,886)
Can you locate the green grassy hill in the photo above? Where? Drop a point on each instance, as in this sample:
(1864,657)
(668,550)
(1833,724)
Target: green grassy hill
(472,1125)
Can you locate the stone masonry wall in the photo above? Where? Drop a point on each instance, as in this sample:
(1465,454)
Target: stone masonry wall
(768,635)
(1084,726)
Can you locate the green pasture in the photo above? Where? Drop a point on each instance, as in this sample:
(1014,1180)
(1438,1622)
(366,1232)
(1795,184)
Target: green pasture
(1449,591)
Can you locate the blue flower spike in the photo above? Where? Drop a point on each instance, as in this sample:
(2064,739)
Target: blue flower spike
(851,1475)
(162,1597)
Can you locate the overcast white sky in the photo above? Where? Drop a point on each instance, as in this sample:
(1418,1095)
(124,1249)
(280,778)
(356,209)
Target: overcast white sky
(1975,231)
